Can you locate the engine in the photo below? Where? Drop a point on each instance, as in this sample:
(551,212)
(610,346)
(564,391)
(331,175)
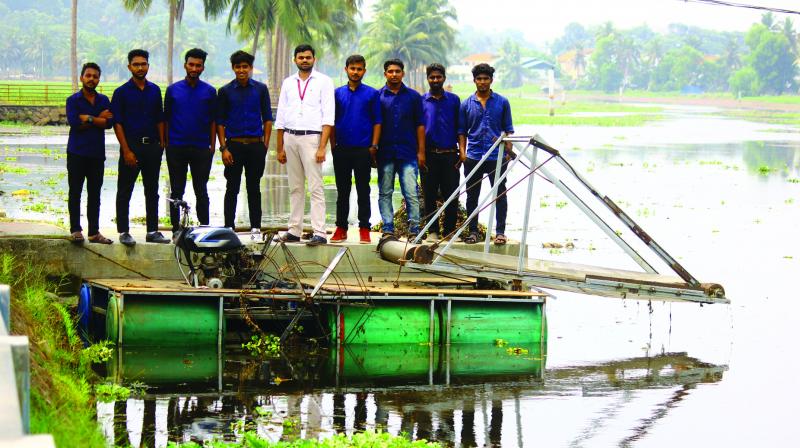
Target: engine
(216,258)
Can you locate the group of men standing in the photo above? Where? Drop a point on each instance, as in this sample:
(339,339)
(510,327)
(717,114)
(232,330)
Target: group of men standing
(394,129)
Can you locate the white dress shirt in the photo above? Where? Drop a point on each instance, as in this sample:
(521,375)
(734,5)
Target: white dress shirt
(314,110)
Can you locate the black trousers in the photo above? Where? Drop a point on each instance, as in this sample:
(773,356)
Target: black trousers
(441,177)
(149,164)
(250,158)
(473,193)
(91,169)
(349,162)
(198,160)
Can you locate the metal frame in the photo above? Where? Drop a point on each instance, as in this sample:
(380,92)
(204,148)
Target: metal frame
(625,288)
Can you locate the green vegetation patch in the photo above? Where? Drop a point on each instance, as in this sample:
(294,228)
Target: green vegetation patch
(61,398)
(367,439)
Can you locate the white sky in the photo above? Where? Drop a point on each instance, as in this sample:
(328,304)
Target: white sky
(545,20)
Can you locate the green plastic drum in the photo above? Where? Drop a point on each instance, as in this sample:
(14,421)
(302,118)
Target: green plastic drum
(485,323)
(386,323)
(144,320)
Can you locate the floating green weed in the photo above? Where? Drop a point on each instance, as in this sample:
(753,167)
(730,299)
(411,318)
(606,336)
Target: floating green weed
(561,204)
(108,392)
(6,168)
(764,170)
(267,345)
(366,439)
(793,180)
(97,353)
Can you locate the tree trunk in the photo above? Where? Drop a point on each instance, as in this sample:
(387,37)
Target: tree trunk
(255,38)
(268,63)
(73,47)
(173,11)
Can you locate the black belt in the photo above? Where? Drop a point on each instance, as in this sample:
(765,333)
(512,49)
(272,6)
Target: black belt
(145,140)
(442,150)
(294,132)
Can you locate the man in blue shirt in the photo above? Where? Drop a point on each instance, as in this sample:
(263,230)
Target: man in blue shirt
(139,126)
(442,155)
(89,115)
(244,124)
(189,112)
(402,146)
(482,118)
(354,140)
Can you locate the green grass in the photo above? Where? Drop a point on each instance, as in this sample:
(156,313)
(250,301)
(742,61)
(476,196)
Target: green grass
(61,398)
(765,116)
(7,168)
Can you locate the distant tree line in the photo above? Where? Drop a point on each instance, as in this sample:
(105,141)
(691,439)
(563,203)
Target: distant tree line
(761,61)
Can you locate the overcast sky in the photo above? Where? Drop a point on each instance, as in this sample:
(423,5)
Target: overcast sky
(544,20)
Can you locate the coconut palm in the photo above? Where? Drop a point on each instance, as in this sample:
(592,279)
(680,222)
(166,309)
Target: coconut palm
(414,31)
(141,7)
(73,46)
(285,22)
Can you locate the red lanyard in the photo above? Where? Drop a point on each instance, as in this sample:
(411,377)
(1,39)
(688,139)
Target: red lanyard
(303,93)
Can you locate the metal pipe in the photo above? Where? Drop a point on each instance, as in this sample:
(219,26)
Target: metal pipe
(497,169)
(528,198)
(457,191)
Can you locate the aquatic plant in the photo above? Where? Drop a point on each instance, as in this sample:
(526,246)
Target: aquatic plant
(108,392)
(264,346)
(6,168)
(371,439)
(97,353)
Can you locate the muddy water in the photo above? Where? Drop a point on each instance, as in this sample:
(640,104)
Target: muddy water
(720,195)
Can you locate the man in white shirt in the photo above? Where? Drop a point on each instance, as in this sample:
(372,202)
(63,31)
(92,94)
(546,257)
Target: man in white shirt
(304,122)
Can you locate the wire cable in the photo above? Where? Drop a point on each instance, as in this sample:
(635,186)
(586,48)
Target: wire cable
(743,5)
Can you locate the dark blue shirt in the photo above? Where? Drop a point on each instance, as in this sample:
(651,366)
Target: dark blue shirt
(357,111)
(138,110)
(89,142)
(189,112)
(483,126)
(441,120)
(243,109)
(401,115)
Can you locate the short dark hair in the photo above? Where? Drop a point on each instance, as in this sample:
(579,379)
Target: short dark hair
(302,48)
(355,59)
(91,65)
(394,61)
(138,52)
(435,67)
(195,53)
(242,56)
(482,69)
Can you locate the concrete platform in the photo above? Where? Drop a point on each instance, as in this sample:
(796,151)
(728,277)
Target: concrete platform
(50,245)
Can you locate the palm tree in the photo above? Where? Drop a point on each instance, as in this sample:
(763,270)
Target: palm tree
(73,46)
(141,7)
(512,72)
(283,22)
(414,31)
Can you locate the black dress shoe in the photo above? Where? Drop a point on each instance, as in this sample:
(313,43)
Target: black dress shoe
(157,237)
(286,238)
(126,239)
(316,240)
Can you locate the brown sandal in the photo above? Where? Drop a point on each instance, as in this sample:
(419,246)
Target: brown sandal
(99,239)
(500,240)
(76,237)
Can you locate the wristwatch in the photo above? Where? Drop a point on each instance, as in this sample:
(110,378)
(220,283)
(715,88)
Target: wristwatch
(223,148)
(90,120)
(375,147)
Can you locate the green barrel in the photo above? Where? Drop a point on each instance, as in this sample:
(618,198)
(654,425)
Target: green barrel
(408,363)
(386,323)
(163,321)
(166,365)
(486,322)
(485,360)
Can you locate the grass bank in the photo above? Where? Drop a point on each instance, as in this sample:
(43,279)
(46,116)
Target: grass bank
(61,394)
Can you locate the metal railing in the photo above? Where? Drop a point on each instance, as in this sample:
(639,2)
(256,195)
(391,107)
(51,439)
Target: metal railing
(41,94)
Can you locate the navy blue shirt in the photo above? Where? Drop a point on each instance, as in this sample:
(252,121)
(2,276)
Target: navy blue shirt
(138,110)
(401,114)
(243,109)
(483,126)
(89,142)
(357,111)
(189,112)
(441,120)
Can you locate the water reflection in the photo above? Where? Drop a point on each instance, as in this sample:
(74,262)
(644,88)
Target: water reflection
(466,396)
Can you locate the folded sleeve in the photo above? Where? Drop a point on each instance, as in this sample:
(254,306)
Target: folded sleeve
(73,113)
(222,107)
(266,106)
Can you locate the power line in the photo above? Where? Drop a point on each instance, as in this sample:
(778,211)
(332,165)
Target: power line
(743,5)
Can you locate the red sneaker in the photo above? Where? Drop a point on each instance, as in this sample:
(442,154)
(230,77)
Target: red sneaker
(363,234)
(339,235)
